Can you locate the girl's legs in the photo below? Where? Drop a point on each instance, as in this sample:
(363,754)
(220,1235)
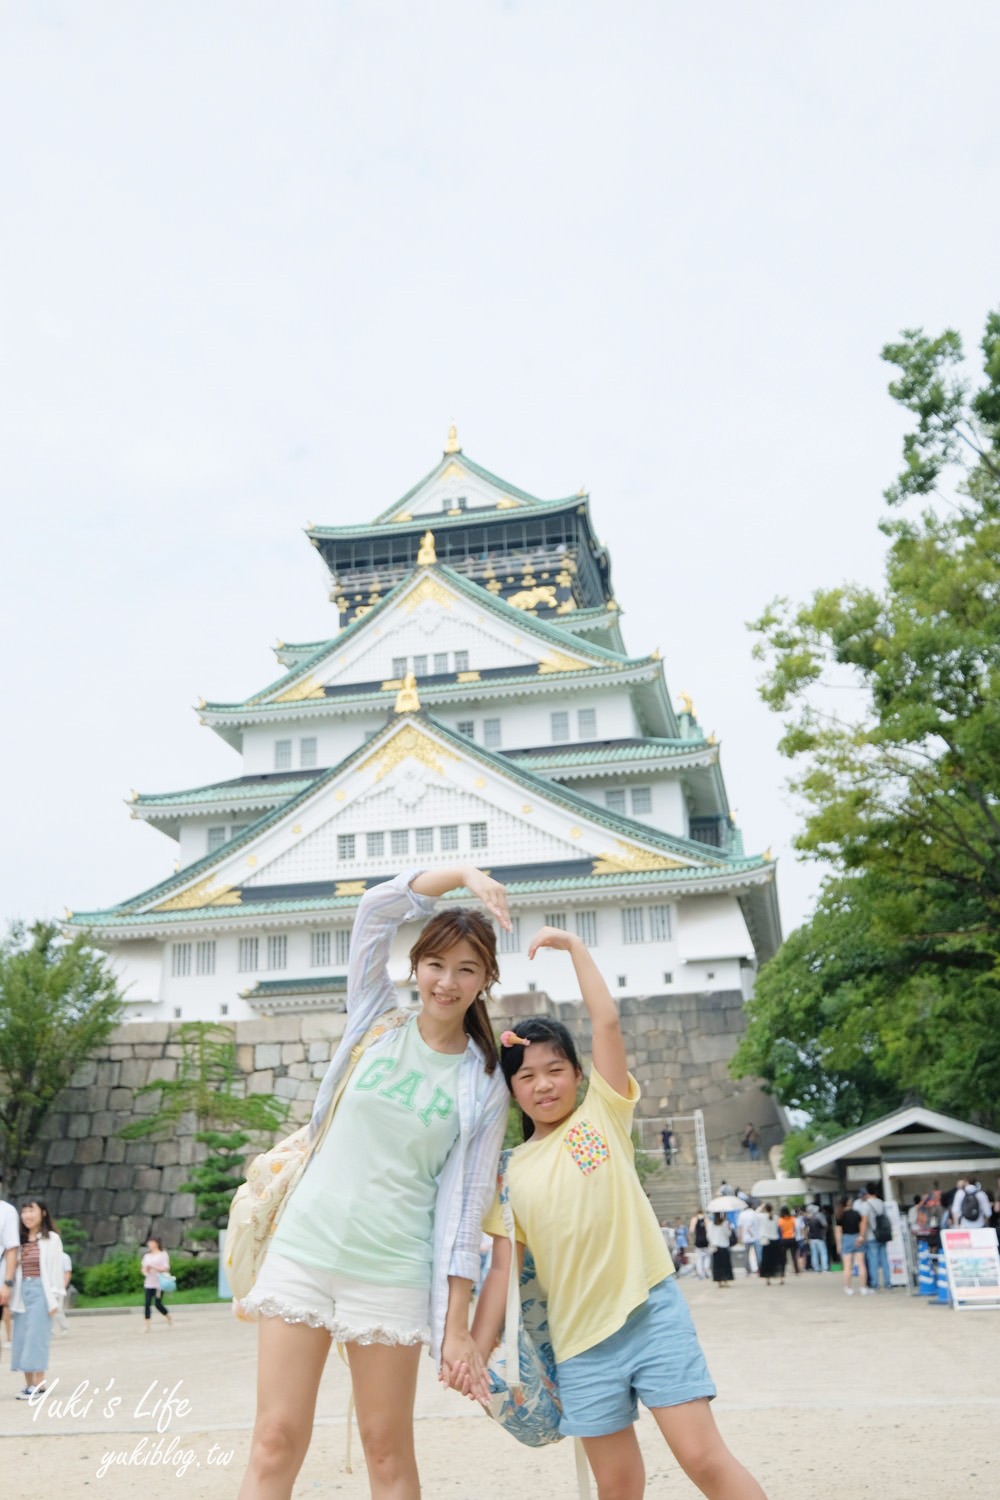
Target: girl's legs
(290,1361)
(149,1293)
(697,1445)
(617,1465)
(385,1386)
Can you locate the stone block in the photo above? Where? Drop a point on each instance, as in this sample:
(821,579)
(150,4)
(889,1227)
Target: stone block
(300,1070)
(171,1179)
(145,1104)
(91,1177)
(109,1074)
(97,1097)
(162,1070)
(261,1083)
(292,1052)
(138,1152)
(183,1206)
(78,1126)
(153,1203)
(121,1176)
(286,1088)
(173,1049)
(706,1049)
(188,1151)
(120,1098)
(103,1122)
(267,1055)
(133,1073)
(144,1180)
(71,1202)
(114,1149)
(125,1201)
(268,1029)
(120,1051)
(105,1232)
(166,1154)
(53,1128)
(319,1052)
(89,1150)
(147,1050)
(101,1200)
(85,1074)
(244,1058)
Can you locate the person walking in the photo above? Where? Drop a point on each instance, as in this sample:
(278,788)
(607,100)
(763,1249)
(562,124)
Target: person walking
(698,1231)
(750,1141)
(378,1246)
(37,1295)
(748,1233)
(720,1234)
(669,1143)
(786,1228)
(772,1254)
(155,1263)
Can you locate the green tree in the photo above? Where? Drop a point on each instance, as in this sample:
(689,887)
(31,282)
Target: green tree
(58,1003)
(891,700)
(214,1181)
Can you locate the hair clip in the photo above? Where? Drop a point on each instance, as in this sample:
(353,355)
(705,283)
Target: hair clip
(511,1039)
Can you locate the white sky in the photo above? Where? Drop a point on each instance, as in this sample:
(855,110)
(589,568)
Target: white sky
(255,257)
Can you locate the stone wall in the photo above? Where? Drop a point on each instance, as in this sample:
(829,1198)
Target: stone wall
(122,1191)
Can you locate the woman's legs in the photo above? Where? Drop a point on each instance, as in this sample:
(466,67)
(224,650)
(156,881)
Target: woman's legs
(617,1465)
(697,1445)
(385,1386)
(290,1360)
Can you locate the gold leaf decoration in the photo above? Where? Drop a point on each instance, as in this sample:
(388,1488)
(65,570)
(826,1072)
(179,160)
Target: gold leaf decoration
(629,857)
(349,888)
(426,555)
(544,595)
(507,502)
(467,677)
(307,688)
(556,661)
(205,893)
(409,744)
(428,590)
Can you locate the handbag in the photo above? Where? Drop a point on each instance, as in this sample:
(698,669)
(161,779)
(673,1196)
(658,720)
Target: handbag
(524,1398)
(168,1282)
(273,1176)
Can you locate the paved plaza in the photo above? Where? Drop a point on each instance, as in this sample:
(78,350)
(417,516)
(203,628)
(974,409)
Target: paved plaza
(819,1394)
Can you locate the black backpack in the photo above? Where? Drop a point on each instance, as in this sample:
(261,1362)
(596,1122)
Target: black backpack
(883,1228)
(701,1235)
(971,1207)
(817,1227)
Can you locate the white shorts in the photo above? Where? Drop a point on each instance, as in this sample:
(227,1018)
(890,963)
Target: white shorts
(352,1312)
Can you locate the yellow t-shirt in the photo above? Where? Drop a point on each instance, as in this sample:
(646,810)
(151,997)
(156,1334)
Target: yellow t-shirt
(579,1206)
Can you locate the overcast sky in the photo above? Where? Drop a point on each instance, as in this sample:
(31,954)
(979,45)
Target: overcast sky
(256,257)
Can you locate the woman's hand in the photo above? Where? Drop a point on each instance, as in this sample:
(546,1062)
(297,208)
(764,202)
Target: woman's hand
(462,1367)
(553,937)
(491,893)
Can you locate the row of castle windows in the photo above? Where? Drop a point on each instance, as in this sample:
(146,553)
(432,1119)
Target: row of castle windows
(436,663)
(398,841)
(639,924)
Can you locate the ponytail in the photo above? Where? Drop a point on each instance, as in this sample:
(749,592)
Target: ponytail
(477,1026)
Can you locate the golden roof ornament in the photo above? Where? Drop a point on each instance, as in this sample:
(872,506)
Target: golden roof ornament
(426,554)
(452,445)
(408,699)
(687,705)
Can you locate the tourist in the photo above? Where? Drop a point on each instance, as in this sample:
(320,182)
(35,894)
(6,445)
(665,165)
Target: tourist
(750,1141)
(155,1263)
(720,1235)
(816,1229)
(772,1255)
(748,1233)
(378,1246)
(10,1241)
(786,1229)
(669,1143)
(876,1250)
(619,1325)
(37,1295)
(850,1238)
(971,1207)
(698,1231)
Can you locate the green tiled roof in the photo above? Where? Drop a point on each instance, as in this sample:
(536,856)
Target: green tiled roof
(235,790)
(314,983)
(439,467)
(651,749)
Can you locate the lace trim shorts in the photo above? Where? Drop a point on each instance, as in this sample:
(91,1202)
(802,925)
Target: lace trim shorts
(352,1312)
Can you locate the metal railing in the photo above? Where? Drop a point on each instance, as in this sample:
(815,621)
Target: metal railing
(703,1166)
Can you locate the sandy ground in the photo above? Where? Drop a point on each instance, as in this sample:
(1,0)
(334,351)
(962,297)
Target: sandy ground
(819,1394)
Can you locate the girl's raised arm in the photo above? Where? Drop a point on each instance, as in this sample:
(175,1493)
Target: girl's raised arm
(607,1042)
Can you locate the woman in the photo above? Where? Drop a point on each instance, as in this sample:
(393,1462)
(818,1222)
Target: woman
(786,1229)
(850,1237)
(155,1261)
(37,1295)
(719,1238)
(772,1255)
(378,1247)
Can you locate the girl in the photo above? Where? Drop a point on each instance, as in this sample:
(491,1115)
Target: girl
(786,1228)
(619,1326)
(772,1256)
(154,1261)
(37,1295)
(720,1240)
(850,1236)
(378,1247)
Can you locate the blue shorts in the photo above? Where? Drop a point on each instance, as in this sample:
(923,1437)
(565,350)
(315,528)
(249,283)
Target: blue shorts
(848,1244)
(654,1358)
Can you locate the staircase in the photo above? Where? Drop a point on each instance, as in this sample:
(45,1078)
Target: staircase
(673,1191)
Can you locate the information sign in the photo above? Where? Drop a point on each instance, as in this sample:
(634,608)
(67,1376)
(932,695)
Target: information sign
(972,1260)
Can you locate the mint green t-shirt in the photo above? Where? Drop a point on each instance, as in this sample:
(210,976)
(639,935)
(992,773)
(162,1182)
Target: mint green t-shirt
(365,1205)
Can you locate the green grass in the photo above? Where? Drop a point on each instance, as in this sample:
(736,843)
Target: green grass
(129,1299)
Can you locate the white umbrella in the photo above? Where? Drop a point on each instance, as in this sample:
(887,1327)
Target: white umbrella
(730,1204)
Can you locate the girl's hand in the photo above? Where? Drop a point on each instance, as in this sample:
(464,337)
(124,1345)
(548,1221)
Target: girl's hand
(552,937)
(491,893)
(462,1367)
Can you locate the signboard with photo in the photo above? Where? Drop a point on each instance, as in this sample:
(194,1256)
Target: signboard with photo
(972,1260)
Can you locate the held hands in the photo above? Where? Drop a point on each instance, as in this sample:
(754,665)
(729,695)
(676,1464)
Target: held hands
(462,1368)
(491,893)
(553,937)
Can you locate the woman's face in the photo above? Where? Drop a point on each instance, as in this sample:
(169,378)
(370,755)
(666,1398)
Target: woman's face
(449,982)
(31,1217)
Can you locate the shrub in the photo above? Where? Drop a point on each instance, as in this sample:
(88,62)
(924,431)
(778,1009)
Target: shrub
(203,1271)
(120,1273)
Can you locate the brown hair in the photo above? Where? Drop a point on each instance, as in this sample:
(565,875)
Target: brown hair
(443,931)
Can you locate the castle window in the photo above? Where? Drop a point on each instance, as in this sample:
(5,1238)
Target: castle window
(345,845)
(420,666)
(510,942)
(277,952)
(659,924)
(467,727)
(477,835)
(307,750)
(248,955)
(633,924)
(449,838)
(425,841)
(204,957)
(319,949)
(342,939)
(622,981)
(555,919)
(223,1010)
(375,845)
(400,839)
(560,726)
(180,960)
(399,666)
(440,661)
(216,839)
(642,800)
(491,734)
(461,661)
(586,723)
(586,927)
(282,755)
(614,800)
